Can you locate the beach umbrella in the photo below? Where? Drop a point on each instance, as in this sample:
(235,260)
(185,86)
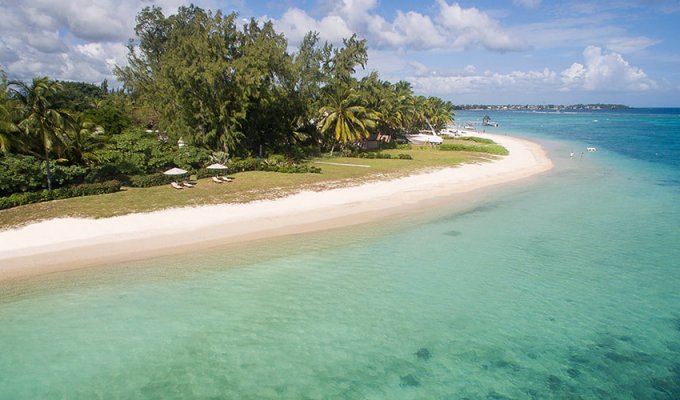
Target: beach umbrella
(216,166)
(175,171)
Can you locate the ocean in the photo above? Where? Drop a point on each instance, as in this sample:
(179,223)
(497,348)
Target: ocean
(564,285)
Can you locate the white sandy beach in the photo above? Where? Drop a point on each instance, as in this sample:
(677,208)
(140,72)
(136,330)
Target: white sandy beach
(69,243)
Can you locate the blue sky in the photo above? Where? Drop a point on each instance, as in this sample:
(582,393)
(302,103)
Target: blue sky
(491,52)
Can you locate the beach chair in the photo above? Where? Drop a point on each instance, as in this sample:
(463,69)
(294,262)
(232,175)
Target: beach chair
(176,185)
(226,179)
(187,184)
(217,180)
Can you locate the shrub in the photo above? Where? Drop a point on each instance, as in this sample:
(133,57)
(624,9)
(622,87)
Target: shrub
(371,155)
(478,140)
(19,199)
(150,180)
(272,164)
(403,156)
(119,170)
(246,164)
(490,149)
(21,173)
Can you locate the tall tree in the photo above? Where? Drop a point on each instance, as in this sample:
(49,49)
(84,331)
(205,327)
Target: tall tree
(184,69)
(40,120)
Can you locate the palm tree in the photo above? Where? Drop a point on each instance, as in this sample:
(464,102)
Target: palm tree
(40,120)
(83,138)
(8,126)
(345,119)
(440,112)
(8,129)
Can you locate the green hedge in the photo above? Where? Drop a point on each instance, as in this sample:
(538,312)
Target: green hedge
(374,155)
(490,149)
(274,164)
(477,139)
(144,181)
(20,199)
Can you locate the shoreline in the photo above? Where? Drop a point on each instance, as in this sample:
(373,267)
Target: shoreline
(71,243)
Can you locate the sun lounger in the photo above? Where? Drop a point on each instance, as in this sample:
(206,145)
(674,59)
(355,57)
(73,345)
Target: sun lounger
(217,180)
(187,184)
(176,185)
(224,178)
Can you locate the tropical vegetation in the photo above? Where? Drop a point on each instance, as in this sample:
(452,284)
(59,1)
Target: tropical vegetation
(198,88)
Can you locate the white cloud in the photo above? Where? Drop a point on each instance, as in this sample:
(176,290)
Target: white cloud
(470,27)
(470,82)
(418,31)
(605,72)
(610,72)
(295,23)
(454,28)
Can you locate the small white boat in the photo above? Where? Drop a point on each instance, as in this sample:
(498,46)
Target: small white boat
(424,137)
(591,149)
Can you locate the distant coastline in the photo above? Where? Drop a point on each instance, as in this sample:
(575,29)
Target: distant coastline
(542,107)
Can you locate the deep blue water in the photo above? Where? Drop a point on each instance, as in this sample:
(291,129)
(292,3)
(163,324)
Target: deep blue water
(563,286)
(647,134)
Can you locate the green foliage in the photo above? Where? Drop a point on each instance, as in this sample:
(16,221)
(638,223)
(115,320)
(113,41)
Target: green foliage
(275,164)
(343,119)
(490,149)
(40,121)
(151,180)
(372,155)
(136,152)
(118,169)
(191,157)
(76,96)
(403,156)
(20,173)
(19,199)
(477,139)
(113,114)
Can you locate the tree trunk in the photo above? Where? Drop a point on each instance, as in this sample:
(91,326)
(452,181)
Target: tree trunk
(430,125)
(49,174)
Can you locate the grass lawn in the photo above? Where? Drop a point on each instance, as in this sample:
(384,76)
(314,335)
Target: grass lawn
(247,186)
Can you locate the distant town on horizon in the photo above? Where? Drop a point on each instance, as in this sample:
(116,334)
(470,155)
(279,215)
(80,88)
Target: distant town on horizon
(541,107)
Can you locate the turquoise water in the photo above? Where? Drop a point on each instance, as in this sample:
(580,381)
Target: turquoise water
(562,286)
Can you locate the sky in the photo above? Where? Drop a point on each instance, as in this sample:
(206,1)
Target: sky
(468,52)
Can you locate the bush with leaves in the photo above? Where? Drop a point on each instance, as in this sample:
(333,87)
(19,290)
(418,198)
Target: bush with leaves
(150,180)
(19,199)
(489,148)
(22,173)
